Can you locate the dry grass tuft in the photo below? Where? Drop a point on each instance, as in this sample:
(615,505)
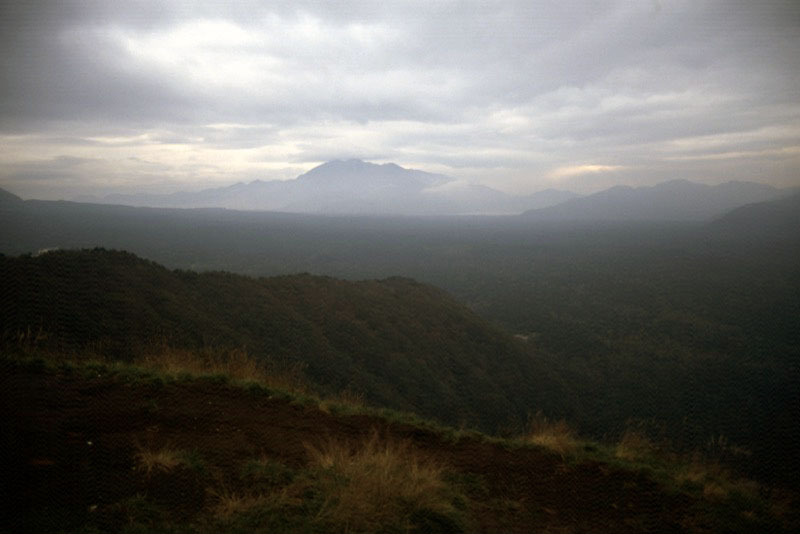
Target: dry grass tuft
(345,398)
(234,363)
(717,482)
(556,436)
(378,483)
(149,460)
(227,504)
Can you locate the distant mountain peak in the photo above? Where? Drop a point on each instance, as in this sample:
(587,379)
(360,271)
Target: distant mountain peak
(355,186)
(356,173)
(338,166)
(352,163)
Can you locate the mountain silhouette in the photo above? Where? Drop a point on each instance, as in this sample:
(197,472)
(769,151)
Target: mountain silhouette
(776,219)
(353,187)
(676,200)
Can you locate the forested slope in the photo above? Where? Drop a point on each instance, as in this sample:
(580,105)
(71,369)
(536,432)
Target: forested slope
(400,343)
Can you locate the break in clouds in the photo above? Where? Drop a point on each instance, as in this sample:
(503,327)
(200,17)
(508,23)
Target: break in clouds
(102,97)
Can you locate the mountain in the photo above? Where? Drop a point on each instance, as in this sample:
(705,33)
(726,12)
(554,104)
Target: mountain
(776,218)
(676,200)
(545,198)
(353,187)
(5,196)
(400,343)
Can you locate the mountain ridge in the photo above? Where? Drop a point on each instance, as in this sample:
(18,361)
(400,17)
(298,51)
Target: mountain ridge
(356,187)
(673,200)
(769,219)
(352,187)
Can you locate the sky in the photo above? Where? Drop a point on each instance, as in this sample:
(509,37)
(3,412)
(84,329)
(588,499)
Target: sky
(136,96)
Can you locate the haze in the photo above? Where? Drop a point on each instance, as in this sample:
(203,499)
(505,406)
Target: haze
(107,97)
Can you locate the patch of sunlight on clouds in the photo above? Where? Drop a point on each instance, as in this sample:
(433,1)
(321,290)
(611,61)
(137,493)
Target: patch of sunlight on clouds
(569,171)
(509,121)
(263,54)
(205,52)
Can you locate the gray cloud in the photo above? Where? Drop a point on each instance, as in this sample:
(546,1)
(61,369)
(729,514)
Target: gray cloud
(503,93)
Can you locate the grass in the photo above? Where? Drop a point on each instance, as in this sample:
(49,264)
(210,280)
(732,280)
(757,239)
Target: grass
(222,364)
(230,503)
(556,436)
(722,497)
(381,483)
(266,474)
(367,485)
(714,481)
(233,364)
(166,459)
(343,401)
(149,460)
(161,364)
(634,446)
(193,460)
(371,485)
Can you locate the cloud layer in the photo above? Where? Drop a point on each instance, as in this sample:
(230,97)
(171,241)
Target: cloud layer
(114,97)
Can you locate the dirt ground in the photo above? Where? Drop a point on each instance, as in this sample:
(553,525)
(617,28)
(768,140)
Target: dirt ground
(68,448)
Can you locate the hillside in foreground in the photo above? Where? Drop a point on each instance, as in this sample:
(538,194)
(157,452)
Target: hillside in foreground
(98,447)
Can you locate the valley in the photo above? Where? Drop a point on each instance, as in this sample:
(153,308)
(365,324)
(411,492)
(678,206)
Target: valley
(680,332)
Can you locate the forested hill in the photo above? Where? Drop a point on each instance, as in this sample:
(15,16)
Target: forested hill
(401,343)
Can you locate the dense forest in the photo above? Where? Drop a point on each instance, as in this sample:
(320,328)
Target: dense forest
(686,329)
(399,343)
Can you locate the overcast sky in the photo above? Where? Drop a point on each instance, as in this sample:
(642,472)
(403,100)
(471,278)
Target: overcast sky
(101,97)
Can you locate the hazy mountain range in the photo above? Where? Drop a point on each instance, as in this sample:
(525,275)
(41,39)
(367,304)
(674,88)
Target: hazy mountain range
(778,217)
(353,187)
(676,200)
(360,188)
